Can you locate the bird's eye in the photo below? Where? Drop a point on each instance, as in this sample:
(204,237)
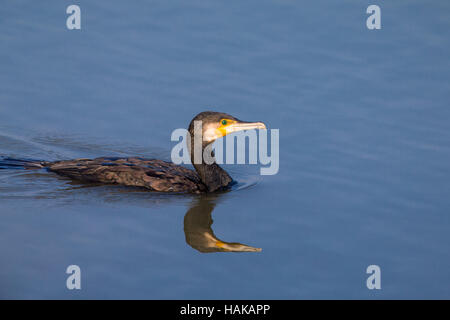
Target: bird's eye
(224,122)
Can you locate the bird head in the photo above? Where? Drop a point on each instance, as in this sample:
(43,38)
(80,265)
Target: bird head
(214,125)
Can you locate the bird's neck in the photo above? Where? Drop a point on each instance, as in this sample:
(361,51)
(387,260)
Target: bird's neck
(212,175)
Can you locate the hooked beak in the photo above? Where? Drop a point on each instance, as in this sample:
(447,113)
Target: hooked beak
(232,126)
(243,125)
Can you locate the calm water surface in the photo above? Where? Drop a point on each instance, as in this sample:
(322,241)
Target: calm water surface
(364,148)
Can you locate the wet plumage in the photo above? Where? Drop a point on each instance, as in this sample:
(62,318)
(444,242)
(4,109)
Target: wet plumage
(155,175)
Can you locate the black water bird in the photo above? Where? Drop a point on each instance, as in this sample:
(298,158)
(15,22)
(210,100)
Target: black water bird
(155,175)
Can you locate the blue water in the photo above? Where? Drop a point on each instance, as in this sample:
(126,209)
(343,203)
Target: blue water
(364,147)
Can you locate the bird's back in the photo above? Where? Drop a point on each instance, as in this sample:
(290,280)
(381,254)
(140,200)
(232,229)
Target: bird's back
(156,175)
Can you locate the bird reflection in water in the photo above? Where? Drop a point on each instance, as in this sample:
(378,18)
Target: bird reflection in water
(198,231)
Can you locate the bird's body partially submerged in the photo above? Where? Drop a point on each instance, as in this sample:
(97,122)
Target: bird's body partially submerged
(155,175)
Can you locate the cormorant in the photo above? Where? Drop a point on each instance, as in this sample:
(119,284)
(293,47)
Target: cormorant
(155,175)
